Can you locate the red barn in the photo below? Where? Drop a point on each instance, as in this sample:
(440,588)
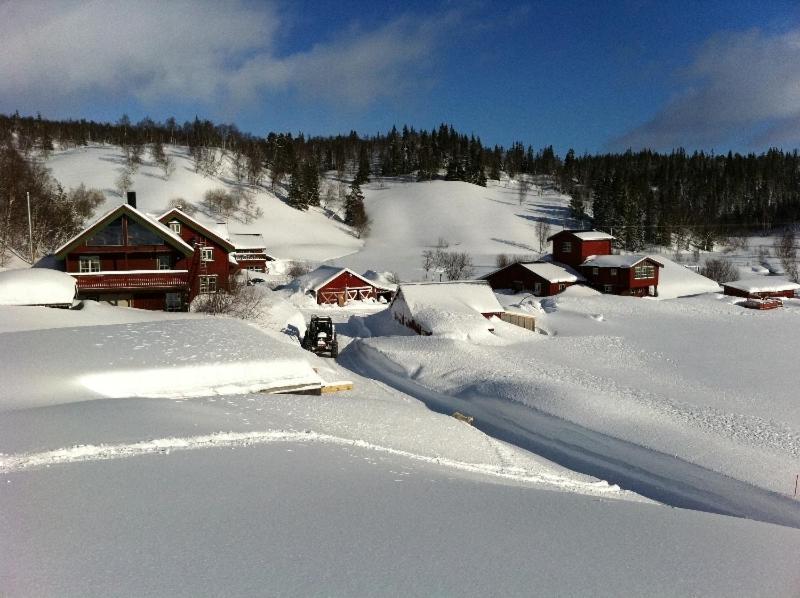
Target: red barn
(540,278)
(573,247)
(633,275)
(127,258)
(761,288)
(214,268)
(330,284)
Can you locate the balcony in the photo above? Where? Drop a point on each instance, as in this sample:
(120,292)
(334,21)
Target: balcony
(133,279)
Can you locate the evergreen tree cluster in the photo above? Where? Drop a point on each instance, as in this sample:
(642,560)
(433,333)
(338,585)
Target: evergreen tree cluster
(642,197)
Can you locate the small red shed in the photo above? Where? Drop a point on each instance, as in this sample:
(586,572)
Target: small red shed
(332,284)
(761,288)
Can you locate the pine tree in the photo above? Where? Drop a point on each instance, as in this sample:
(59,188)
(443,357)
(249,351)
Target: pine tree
(295,198)
(362,176)
(355,214)
(310,183)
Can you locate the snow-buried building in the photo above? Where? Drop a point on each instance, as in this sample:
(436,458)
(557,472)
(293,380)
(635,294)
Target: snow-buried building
(332,284)
(446,307)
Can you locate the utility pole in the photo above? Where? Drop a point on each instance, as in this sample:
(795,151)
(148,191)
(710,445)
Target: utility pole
(30,226)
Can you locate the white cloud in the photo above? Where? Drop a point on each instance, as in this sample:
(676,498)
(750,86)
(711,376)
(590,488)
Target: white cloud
(61,50)
(743,86)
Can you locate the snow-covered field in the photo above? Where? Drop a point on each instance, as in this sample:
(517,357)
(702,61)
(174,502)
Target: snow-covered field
(137,456)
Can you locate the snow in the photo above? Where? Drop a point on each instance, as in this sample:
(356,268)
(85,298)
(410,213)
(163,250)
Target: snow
(36,286)
(592,235)
(247,240)
(322,237)
(381,279)
(675,280)
(12,260)
(763,285)
(553,273)
(161,358)
(615,261)
(319,277)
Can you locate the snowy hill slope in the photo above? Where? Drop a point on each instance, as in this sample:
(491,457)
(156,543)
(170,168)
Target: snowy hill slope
(290,234)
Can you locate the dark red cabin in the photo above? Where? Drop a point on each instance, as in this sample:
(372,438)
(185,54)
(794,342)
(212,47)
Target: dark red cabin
(632,275)
(540,278)
(573,247)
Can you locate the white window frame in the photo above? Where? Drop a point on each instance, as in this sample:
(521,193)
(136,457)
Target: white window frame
(562,286)
(613,271)
(644,272)
(566,247)
(175,304)
(160,265)
(206,254)
(207,284)
(595,271)
(175,226)
(537,288)
(89,263)
(608,288)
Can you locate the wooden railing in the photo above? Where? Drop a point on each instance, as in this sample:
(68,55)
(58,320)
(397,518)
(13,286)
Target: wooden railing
(172,279)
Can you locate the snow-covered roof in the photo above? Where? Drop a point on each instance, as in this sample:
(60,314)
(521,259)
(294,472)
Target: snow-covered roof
(456,296)
(211,231)
(383,279)
(763,284)
(585,235)
(36,286)
(168,234)
(617,261)
(247,240)
(553,273)
(316,279)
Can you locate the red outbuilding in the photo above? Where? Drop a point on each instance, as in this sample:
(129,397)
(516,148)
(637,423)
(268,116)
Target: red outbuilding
(762,287)
(331,284)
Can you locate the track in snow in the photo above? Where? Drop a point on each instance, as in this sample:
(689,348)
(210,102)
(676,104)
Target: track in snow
(658,476)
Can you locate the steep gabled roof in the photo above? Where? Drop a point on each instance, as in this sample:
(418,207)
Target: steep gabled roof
(244,241)
(183,217)
(316,279)
(140,217)
(584,235)
(618,261)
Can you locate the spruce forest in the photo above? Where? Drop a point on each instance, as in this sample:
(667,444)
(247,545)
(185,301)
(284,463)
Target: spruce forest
(642,197)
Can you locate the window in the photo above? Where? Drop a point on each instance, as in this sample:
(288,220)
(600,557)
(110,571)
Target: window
(607,288)
(644,271)
(537,288)
(175,226)
(562,286)
(207,254)
(566,247)
(613,271)
(595,271)
(208,284)
(163,262)
(89,263)
(110,234)
(173,302)
(142,235)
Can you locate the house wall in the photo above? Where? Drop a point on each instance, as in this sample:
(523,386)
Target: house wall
(340,284)
(220,266)
(580,250)
(623,283)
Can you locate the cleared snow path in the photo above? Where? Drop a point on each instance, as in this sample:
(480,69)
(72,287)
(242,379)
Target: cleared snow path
(653,474)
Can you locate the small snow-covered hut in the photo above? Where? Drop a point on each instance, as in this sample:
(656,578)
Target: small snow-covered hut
(540,278)
(444,307)
(761,287)
(37,286)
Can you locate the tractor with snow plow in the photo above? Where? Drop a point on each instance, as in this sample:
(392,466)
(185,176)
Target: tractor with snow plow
(320,336)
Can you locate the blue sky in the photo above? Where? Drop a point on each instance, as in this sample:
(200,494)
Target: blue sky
(595,76)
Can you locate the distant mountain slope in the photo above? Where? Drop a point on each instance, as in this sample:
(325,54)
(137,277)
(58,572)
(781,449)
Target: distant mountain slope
(290,234)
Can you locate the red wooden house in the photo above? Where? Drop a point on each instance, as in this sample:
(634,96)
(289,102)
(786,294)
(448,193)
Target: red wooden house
(633,275)
(250,252)
(331,284)
(215,266)
(540,278)
(130,259)
(573,247)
